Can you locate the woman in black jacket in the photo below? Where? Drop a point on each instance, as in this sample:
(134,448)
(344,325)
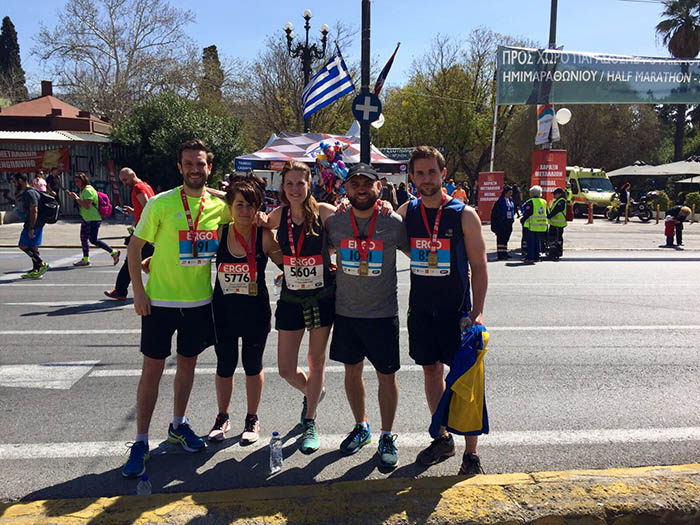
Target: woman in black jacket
(502,217)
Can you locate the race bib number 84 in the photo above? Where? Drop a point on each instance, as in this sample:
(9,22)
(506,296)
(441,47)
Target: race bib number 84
(206,241)
(303,273)
(420,255)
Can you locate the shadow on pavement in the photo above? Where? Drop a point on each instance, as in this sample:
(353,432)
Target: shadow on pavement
(103,306)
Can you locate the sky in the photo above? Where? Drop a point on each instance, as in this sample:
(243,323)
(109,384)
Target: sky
(239,29)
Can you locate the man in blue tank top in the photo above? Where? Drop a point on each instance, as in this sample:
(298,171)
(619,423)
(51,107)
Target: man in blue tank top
(445,243)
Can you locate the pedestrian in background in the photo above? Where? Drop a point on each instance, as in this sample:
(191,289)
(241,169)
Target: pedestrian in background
(402,194)
(535,221)
(450,186)
(39,182)
(90,220)
(517,198)
(459,193)
(30,238)
(674,222)
(389,194)
(502,217)
(53,182)
(556,217)
(624,199)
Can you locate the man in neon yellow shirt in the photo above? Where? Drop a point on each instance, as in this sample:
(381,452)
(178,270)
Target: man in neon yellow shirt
(182,224)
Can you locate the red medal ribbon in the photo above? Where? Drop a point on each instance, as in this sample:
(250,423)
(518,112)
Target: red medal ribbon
(188,214)
(363,244)
(436,225)
(249,251)
(296,250)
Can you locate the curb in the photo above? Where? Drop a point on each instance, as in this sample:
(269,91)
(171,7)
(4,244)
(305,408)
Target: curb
(632,496)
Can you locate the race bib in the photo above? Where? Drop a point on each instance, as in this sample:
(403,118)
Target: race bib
(207,244)
(303,273)
(234,278)
(350,257)
(420,257)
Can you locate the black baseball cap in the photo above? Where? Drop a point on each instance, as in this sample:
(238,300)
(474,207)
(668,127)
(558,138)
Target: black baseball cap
(557,190)
(362,169)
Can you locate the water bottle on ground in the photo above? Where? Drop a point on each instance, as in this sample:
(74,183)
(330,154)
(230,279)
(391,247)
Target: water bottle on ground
(275,453)
(278,285)
(144,486)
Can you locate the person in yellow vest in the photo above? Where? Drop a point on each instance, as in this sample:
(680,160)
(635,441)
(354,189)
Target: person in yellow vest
(556,217)
(535,221)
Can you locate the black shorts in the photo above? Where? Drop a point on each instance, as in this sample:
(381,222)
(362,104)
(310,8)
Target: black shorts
(252,348)
(376,339)
(194,327)
(433,336)
(290,315)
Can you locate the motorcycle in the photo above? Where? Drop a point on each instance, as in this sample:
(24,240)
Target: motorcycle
(641,208)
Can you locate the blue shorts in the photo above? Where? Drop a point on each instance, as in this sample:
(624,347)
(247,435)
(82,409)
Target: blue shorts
(24,239)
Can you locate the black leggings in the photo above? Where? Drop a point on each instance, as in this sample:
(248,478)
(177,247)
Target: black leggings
(88,232)
(227,355)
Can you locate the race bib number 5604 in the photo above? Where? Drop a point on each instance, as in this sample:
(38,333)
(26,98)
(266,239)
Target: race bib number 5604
(303,273)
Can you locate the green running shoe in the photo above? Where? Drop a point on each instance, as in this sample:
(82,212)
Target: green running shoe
(309,439)
(388,455)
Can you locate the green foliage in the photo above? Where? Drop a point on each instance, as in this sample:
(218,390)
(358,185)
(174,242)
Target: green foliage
(212,81)
(663,200)
(691,199)
(12,81)
(154,130)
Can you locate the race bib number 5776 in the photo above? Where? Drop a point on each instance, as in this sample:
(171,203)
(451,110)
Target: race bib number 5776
(303,273)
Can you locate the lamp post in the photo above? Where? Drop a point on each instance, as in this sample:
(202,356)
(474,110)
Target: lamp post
(306,52)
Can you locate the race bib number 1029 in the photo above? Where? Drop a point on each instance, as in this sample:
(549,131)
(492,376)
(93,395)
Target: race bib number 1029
(206,241)
(303,273)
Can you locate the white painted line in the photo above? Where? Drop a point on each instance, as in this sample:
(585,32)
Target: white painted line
(416,440)
(57,376)
(592,328)
(210,370)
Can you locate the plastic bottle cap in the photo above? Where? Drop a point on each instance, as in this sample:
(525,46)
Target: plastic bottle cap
(144,477)
(275,434)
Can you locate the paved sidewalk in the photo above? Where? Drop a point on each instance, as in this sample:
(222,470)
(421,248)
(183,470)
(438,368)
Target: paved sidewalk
(635,496)
(601,235)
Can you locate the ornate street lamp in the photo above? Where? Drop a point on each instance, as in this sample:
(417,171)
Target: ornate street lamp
(307,52)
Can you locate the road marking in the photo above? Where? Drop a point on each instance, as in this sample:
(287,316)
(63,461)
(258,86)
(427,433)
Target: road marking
(55,376)
(56,264)
(92,449)
(210,370)
(592,328)
(24,283)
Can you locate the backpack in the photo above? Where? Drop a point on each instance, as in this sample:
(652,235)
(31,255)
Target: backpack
(48,208)
(104,205)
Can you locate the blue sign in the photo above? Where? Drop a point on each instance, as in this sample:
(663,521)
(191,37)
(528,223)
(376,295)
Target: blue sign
(366,107)
(244,165)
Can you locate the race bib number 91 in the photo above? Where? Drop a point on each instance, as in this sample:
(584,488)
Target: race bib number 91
(303,273)
(420,252)
(234,278)
(350,257)
(206,241)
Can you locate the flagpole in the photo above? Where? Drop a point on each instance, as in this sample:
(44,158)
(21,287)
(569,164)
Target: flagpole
(495,122)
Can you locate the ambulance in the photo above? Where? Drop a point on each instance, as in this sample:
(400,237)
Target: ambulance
(589,185)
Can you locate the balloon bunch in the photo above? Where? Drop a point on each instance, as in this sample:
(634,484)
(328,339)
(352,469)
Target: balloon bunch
(330,165)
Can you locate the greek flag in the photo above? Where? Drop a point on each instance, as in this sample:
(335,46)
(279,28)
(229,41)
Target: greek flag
(330,83)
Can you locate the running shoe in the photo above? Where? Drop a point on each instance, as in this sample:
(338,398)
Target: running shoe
(304,405)
(186,437)
(82,262)
(42,269)
(31,274)
(471,465)
(440,449)
(113,294)
(221,426)
(356,439)
(251,430)
(309,438)
(115,257)
(135,466)
(388,455)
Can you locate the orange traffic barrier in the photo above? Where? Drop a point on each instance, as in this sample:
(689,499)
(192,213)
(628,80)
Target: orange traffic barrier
(590,212)
(627,213)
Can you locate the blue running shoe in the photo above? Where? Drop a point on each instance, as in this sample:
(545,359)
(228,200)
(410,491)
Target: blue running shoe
(388,455)
(186,437)
(135,466)
(356,439)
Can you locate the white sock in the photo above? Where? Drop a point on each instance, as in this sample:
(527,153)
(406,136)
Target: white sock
(364,425)
(177,420)
(385,433)
(142,437)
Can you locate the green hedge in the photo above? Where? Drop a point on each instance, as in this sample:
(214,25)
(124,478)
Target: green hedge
(693,198)
(662,200)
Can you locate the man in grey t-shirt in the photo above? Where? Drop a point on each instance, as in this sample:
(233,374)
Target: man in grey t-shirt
(366,305)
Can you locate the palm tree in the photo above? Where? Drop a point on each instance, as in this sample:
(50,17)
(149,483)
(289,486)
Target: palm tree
(680,33)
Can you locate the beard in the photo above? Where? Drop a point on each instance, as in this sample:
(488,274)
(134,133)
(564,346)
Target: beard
(195,185)
(428,191)
(363,204)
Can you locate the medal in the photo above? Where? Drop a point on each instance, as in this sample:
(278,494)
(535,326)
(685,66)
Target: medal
(432,260)
(364,244)
(253,288)
(364,268)
(188,214)
(434,244)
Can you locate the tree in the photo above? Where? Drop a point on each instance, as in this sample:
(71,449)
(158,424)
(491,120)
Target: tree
(109,55)
(12,80)
(155,128)
(680,33)
(213,78)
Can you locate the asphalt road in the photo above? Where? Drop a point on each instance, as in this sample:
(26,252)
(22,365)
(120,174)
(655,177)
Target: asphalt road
(593,362)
